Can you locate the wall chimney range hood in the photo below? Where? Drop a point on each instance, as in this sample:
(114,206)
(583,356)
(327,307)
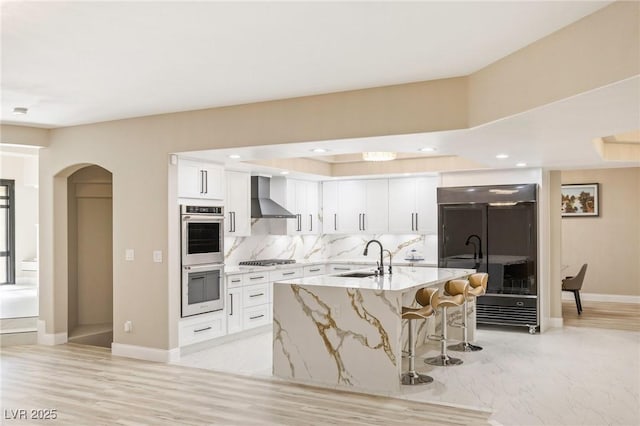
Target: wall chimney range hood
(262,206)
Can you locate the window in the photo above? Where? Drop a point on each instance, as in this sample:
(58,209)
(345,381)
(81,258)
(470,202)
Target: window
(7,232)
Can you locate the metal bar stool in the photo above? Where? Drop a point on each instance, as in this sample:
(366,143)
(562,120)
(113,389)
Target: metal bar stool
(476,286)
(443,302)
(411,377)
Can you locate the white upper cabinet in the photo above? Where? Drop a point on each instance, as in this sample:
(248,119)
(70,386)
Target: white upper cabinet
(198,179)
(355,206)
(413,206)
(301,198)
(238,204)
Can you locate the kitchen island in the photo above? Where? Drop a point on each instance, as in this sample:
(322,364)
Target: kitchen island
(346,332)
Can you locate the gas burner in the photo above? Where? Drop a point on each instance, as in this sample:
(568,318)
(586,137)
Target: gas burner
(267,262)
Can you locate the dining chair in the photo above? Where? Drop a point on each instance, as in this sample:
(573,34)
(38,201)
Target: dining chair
(574,284)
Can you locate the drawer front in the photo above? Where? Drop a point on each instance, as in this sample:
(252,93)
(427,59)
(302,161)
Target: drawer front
(200,330)
(310,271)
(256,278)
(235,280)
(254,295)
(285,274)
(256,316)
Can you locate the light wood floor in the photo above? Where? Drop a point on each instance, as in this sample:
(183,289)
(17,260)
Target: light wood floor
(610,315)
(88,386)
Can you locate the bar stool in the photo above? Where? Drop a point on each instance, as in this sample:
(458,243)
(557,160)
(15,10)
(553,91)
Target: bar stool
(411,377)
(443,302)
(476,286)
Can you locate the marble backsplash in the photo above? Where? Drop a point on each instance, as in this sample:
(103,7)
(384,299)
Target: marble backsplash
(324,246)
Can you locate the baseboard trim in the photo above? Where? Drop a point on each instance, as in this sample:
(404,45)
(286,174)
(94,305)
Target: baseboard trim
(145,353)
(50,339)
(597,297)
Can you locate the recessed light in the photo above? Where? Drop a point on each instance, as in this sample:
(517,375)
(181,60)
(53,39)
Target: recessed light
(471,189)
(20,111)
(502,156)
(521,164)
(427,149)
(284,172)
(319,150)
(407,174)
(234,156)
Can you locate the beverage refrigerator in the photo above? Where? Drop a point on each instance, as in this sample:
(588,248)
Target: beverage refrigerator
(494,229)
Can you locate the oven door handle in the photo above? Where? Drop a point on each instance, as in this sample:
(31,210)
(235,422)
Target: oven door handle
(203,267)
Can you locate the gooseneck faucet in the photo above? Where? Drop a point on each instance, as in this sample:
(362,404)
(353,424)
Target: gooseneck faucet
(366,251)
(474,246)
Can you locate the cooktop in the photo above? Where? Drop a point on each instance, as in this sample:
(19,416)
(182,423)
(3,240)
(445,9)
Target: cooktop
(267,262)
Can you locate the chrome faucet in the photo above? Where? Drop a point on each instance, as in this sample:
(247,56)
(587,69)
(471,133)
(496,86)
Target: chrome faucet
(479,255)
(366,251)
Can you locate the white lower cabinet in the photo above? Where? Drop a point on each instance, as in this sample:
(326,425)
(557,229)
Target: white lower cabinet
(202,327)
(314,270)
(256,316)
(255,295)
(234,310)
(338,268)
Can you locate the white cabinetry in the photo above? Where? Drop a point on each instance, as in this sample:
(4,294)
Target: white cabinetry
(356,206)
(234,310)
(238,204)
(198,179)
(202,327)
(413,206)
(301,198)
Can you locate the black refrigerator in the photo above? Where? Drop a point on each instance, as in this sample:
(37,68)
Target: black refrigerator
(494,229)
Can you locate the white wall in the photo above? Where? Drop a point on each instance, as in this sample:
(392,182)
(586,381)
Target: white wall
(23,168)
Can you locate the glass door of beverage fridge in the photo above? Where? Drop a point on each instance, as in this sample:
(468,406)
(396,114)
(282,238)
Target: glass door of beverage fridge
(462,236)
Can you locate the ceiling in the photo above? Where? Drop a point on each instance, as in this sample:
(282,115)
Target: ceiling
(80,62)
(73,63)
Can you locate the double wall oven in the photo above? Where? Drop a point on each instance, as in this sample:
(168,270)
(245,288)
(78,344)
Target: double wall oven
(202,235)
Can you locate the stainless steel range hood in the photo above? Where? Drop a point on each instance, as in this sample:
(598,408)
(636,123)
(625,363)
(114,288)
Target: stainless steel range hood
(262,206)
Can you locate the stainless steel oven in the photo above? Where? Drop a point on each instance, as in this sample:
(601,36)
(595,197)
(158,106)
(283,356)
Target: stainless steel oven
(202,289)
(202,235)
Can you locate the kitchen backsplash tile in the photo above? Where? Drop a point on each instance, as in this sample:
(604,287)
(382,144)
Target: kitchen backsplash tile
(320,247)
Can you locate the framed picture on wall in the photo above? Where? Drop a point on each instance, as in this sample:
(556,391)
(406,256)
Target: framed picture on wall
(580,200)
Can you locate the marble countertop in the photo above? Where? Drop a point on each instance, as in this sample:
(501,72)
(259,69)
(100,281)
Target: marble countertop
(238,269)
(403,278)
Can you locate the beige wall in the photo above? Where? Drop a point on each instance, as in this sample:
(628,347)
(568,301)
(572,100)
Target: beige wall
(610,243)
(21,135)
(136,152)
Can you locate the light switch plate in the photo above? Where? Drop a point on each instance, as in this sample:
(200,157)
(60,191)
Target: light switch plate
(157,256)
(129,254)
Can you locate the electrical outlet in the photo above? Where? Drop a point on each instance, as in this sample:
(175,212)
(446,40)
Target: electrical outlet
(128,326)
(157,256)
(129,254)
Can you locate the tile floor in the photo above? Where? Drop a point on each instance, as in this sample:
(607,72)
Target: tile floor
(566,376)
(19,300)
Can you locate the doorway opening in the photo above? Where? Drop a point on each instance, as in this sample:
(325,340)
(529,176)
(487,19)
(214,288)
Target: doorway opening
(90,256)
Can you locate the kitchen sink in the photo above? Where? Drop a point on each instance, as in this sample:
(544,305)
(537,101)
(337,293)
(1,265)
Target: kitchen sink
(358,274)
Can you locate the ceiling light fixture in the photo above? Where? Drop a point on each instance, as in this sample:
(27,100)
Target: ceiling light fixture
(234,156)
(379,156)
(319,150)
(20,111)
(521,164)
(284,172)
(502,156)
(427,149)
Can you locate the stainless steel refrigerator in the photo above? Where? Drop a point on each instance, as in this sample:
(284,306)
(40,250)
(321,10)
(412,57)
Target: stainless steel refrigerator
(494,229)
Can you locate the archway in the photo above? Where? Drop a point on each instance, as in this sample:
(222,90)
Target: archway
(90,257)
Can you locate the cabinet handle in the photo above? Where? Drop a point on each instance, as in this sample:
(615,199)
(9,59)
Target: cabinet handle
(412,227)
(338,268)
(202,329)
(256,295)
(363,227)
(359,221)
(335,221)
(256,317)
(235,281)
(206,182)
(416,221)
(314,270)
(234,221)
(202,181)
(288,273)
(231,304)
(257,277)
(310,222)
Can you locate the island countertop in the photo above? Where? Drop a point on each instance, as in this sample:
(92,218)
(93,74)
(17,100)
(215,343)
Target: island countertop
(403,278)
